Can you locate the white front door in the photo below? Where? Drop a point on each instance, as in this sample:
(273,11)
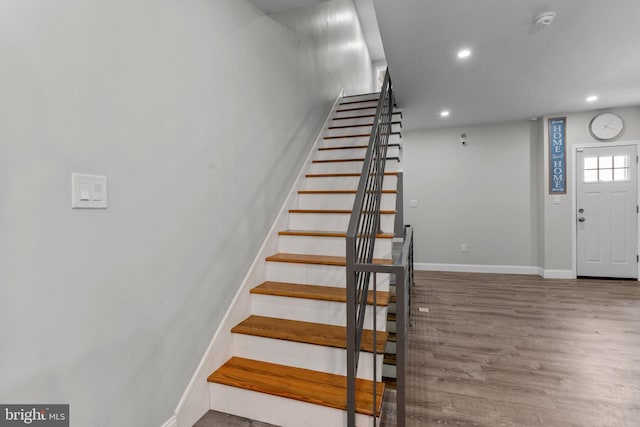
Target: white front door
(607,212)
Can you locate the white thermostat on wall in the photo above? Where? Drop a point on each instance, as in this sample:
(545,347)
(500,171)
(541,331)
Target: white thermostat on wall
(88,191)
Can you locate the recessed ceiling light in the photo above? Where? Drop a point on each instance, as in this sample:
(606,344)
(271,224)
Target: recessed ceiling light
(592,98)
(464,53)
(444,113)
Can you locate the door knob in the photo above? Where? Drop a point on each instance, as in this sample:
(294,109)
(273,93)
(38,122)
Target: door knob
(581,219)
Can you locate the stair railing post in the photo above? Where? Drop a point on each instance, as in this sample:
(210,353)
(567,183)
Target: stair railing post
(351,331)
(401,348)
(398,227)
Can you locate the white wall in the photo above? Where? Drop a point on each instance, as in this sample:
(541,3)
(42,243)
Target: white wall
(479,194)
(200,113)
(557,217)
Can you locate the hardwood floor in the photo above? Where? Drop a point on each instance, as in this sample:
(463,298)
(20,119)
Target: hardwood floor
(506,350)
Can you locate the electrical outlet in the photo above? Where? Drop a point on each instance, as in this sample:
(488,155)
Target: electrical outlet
(464,247)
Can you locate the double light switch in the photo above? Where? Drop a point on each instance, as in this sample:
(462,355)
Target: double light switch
(88,191)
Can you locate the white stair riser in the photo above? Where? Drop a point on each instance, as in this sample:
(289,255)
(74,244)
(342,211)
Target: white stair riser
(390,371)
(335,246)
(354,121)
(357,130)
(332,222)
(350,153)
(340,201)
(306,356)
(363,97)
(346,111)
(390,182)
(359,119)
(391,326)
(277,410)
(310,274)
(353,130)
(390,348)
(310,310)
(348,142)
(357,103)
(349,167)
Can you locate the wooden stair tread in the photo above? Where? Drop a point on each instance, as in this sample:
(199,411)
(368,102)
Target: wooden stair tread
(307,333)
(317,259)
(360,101)
(390,383)
(362,94)
(340,191)
(360,125)
(345,147)
(339,160)
(390,359)
(373,107)
(350,160)
(305,385)
(342,175)
(315,233)
(364,116)
(361,135)
(314,292)
(335,211)
(351,147)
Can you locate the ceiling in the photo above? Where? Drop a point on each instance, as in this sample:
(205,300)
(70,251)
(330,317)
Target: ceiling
(516,70)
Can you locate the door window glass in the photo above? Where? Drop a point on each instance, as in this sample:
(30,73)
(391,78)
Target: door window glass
(606,168)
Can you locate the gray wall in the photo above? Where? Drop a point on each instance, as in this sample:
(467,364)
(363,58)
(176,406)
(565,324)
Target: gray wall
(493,194)
(480,194)
(200,113)
(557,217)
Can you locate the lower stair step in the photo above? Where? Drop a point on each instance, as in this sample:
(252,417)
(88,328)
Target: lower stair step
(323,293)
(307,332)
(304,385)
(390,359)
(317,259)
(320,233)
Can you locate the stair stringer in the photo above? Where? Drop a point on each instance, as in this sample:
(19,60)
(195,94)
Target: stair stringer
(195,401)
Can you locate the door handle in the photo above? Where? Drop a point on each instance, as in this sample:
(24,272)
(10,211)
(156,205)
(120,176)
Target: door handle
(581,219)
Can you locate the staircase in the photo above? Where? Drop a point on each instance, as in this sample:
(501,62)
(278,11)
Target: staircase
(289,361)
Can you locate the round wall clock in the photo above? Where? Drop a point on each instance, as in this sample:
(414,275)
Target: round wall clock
(606,126)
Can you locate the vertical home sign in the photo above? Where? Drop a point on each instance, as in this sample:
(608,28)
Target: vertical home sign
(557,156)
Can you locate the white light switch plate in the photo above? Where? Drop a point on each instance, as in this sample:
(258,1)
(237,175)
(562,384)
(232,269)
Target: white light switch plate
(88,191)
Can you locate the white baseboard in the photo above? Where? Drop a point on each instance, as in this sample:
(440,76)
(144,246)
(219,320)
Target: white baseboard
(195,400)
(498,269)
(557,274)
(477,268)
(172,422)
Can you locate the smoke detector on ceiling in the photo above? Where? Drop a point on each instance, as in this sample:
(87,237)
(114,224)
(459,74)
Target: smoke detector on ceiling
(545,19)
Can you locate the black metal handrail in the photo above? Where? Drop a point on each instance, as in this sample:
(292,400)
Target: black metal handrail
(364,225)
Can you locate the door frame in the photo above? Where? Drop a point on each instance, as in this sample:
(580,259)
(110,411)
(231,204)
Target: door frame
(574,196)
